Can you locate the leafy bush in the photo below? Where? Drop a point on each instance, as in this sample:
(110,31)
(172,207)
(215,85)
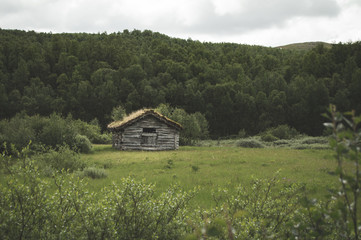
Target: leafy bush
(250,143)
(315,140)
(346,141)
(82,144)
(283,132)
(52,131)
(262,211)
(268,137)
(92,131)
(31,209)
(94,173)
(281,142)
(63,158)
(195,126)
(56,131)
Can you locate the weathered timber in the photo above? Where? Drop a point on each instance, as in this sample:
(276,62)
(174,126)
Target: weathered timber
(147,130)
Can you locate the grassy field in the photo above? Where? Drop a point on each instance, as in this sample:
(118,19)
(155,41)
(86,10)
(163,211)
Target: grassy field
(213,167)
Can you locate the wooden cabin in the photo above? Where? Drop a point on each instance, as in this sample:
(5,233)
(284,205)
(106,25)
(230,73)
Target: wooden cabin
(147,130)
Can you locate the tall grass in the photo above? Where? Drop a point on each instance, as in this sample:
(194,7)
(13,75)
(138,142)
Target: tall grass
(216,167)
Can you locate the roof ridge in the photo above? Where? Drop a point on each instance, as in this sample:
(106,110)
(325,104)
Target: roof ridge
(140,113)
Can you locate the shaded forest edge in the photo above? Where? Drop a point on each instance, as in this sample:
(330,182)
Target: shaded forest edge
(236,87)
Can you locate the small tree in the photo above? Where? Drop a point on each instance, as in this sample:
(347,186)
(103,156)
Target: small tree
(346,142)
(118,113)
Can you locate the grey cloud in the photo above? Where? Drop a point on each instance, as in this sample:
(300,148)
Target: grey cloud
(99,16)
(260,14)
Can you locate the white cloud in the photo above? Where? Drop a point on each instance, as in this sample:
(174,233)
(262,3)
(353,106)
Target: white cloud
(266,22)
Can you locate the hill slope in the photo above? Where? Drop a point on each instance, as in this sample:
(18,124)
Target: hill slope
(306,46)
(238,88)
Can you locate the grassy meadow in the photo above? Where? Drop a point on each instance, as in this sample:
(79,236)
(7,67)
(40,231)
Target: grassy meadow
(213,166)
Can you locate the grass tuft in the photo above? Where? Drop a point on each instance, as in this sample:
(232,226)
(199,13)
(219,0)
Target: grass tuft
(94,173)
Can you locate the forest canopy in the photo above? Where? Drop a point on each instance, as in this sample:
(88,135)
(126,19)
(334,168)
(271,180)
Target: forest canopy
(234,86)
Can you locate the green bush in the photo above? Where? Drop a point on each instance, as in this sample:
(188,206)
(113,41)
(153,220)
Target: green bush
(60,207)
(56,131)
(92,131)
(250,143)
(283,132)
(195,125)
(52,131)
(262,211)
(315,140)
(63,158)
(281,142)
(269,138)
(82,144)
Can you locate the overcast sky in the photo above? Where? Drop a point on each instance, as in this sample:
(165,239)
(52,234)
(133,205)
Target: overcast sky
(255,22)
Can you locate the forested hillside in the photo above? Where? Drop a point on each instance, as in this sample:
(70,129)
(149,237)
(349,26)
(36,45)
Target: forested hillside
(235,86)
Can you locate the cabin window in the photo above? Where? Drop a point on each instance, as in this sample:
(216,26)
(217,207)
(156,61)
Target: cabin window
(149,137)
(149,130)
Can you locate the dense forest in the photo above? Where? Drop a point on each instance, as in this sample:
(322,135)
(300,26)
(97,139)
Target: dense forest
(237,87)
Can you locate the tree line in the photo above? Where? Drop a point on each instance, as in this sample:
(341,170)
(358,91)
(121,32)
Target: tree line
(236,87)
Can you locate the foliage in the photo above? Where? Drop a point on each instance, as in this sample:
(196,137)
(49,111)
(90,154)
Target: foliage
(34,207)
(268,137)
(195,168)
(300,142)
(82,144)
(249,143)
(118,113)
(281,132)
(52,131)
(257,212)
(346,143)
(92,131)
(61,159)
(29,209)
(234,86)
(195,125)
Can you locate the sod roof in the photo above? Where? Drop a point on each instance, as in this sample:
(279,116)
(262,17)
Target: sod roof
(136,116)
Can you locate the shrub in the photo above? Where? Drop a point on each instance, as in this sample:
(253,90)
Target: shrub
(315,140)
(52,131)
(281,142)
(92,131)
(82,144)
(250,143)
(283,132)
(195,125)
(268,137)
(105,138)
(63,158)
(56,131)
(94,173)
(261,211)
(30,209)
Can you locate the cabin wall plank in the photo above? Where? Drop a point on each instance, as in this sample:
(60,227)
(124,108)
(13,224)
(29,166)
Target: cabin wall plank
(166,137)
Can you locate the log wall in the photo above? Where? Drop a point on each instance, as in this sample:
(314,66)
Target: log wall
(133,137)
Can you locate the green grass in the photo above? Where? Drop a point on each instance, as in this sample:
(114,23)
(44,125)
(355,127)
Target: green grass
(213,167)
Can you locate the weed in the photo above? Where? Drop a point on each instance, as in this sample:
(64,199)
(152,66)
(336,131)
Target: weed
(169,164)
(195,168)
